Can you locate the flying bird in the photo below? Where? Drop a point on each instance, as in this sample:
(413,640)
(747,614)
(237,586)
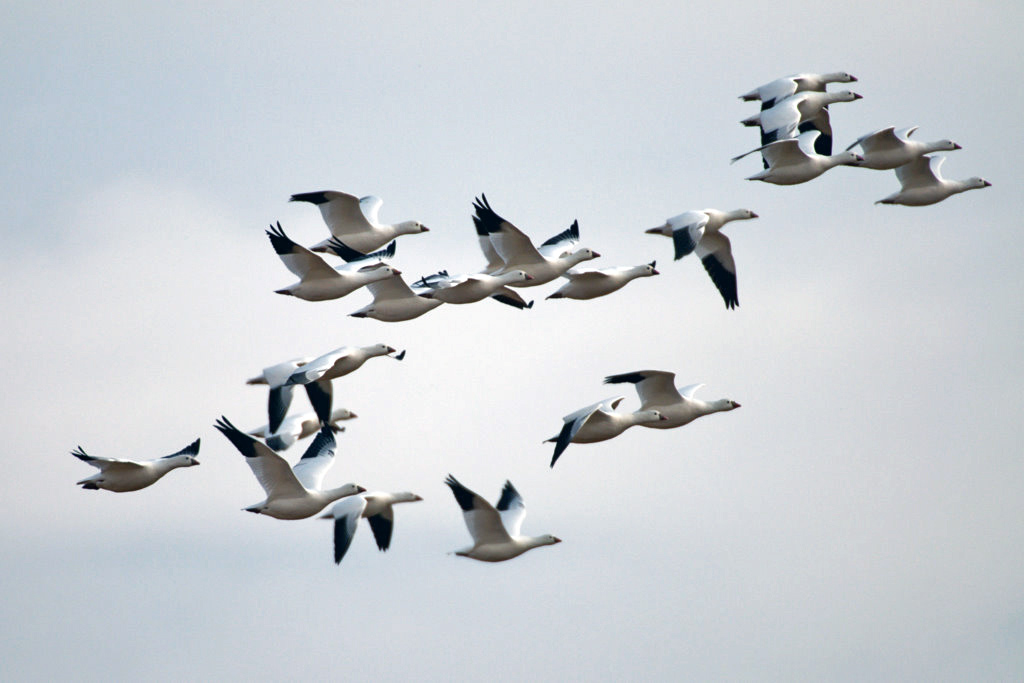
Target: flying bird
(799,113)
(299,426)
(316,375)
(354,221)
(780,88)
(375,508)
(516,250)
(394,301)
(598,422)
(467,289)
(794,161)
(701,231)
(495,530)
(292,492)
(592,283)
(657,391)
(921,183)
(132,475)
(319,281)
(889,148)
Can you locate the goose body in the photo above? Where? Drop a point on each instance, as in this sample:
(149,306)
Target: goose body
(799,113)
(317,374)
(701,231)
(292,492)
(794,161)
(889,148)
(657,391)
(495,529)
(780,88)
(598,422)
(394,301)
(318,280)
(921,183)
(131,475)
(590,284)
(355,221)
(375,508)
(516,250)
(467,289)
(296,427)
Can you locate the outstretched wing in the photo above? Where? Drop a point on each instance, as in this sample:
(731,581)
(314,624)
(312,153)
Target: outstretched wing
(511,508)
(271,470)
(346,512)
(654,387)
(317,459)
(715,252)
(482,520)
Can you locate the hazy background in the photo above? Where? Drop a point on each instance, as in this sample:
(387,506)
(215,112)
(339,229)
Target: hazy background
(859,518)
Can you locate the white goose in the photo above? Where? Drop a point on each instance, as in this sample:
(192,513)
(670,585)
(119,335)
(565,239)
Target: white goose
(700,231)
(299,426)
(799,113)
(889,148)
(598,422)
(354,221)
(495,531)
(922,184)
(467,289)
(590,284)
(772,92)
(375,508)
(657,391)
(394,301)
(794,161)
(316,375)
(318,281)
(518,253)
(292,492)
(132,475)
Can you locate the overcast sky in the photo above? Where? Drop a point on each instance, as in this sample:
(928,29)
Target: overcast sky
(859,518)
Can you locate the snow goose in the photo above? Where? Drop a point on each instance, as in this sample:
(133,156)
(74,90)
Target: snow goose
(375,508)
(657,391)
(517,251)
(132,475)
(394,301)
(299,426)
(495,530)
(800,113)
(316,375)
(292,492)
(922,184)
(467,289)
(780,88)
(598,422)
(318,281)
(590,284)
(701,231)
(890,148)
(794,161)
(354,221)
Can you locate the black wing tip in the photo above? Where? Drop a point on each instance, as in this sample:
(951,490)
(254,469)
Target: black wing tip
(509,301)
(508,494)
(324,439)
(561,443)
(80,453)
(281,242)
(463,496)
(630,377)
(311,197)
(191,449)
(723,280)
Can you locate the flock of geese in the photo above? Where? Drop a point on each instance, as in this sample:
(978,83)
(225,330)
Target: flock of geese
(796,146)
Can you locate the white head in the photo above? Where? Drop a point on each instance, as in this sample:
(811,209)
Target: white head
(976,183)
(516,276)
(410,228)
(839,77)
(584,254)
(645,416)
(546,539)
(844,96)
(847,158)
(378,350)
(342,414)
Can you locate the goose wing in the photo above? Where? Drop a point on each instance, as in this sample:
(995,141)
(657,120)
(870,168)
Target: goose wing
(317,459)
(271,470)
(482,520)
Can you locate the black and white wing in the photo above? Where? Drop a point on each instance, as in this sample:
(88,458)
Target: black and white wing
(482,520)
(715,252)
(512,509)
(342,212)
(346,513)
(381,525)
(510,243)
(106,464)
(687,231)
(562,243)
(271,470)
(317,459)
(654,387)
(297,258)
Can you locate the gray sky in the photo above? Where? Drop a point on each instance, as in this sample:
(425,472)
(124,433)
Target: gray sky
(858,518)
